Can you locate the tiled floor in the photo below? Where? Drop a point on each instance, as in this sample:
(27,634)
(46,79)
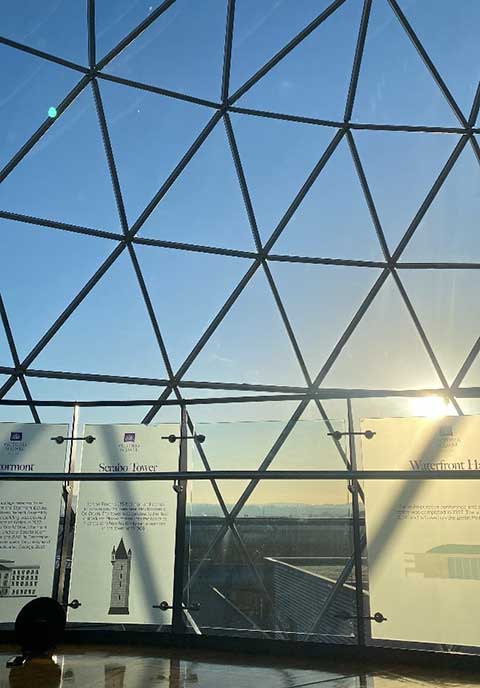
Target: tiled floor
(124,668)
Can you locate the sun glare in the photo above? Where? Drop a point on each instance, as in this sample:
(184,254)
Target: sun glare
(432,407)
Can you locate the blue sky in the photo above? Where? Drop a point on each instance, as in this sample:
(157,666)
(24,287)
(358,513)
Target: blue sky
(65,177)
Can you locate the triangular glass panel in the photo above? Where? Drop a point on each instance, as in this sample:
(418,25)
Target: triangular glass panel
(447,305)
(310,446)
(336,410)
(204,501)
(56,414)
(282,527)
(401,169)
(81,390)
(66,173)
(162,129)
(320,301)
(472,378)
(295,500)
(262,29)
(38,283)
(253,411)
(109,332)
(308,81)
(450,42)
(200,391)
(114,21)
(434,405)
(215,213)
(16,414)
(182,50)
(251,344)
(204,524)
(390,407)
(277,158)
(221,604)
(86,390)
(394,85)
(448,231)
(241,444)
(15,392)
(231,490)
(385,350)
(127,414)
(201,498)
(52,26)
(29,87)
(333,220)
(5,354)
(470,407)
(292,547)
(198,285)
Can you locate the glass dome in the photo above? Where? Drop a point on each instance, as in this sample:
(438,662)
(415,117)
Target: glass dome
(239,210)
(245,206)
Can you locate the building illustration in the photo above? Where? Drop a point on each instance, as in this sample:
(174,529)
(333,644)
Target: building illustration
(18,580)
(446,561)
(120,589)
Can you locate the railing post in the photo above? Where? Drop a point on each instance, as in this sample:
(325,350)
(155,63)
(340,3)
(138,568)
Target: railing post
(357,535)
(178,621)
(62,592)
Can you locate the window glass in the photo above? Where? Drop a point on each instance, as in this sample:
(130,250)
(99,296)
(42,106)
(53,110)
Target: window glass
(52,26)
(181,51)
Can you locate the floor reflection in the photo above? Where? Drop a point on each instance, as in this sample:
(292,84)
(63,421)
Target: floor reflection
(134,669)
(115,675)
(47,669)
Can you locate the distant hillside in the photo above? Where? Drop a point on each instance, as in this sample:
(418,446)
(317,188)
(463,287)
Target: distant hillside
(277,510)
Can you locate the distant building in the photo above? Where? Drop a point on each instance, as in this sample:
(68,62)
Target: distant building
(307,600)
(282,593)
(18,581)
(120,590)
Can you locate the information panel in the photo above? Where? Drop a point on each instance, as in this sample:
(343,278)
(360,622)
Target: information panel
(424,535)
(29,513)
(123,553)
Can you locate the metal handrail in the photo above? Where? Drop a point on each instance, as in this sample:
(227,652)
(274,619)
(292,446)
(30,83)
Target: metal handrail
(245,475)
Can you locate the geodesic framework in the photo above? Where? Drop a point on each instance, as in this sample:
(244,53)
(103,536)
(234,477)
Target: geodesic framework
(263,256)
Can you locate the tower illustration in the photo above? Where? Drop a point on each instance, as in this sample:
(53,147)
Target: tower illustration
(120,590)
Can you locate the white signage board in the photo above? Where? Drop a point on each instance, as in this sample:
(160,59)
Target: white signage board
(29,513)
(423,536)
(123,552)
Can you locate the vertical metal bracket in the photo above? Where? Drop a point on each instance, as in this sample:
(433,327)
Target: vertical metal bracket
(357,536)
(178,619)
(61,593)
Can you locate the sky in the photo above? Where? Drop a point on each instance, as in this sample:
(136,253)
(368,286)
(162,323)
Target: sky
(66,178)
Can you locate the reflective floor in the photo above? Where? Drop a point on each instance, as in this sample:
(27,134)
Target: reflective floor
(129,668)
